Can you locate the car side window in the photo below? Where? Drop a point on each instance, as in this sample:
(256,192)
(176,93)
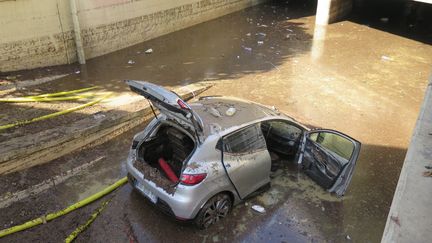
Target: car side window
(246,140)
(339,146)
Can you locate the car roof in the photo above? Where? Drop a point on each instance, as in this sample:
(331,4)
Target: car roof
(213,112)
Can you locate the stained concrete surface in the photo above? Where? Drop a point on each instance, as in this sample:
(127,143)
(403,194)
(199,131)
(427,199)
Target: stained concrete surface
(359,80)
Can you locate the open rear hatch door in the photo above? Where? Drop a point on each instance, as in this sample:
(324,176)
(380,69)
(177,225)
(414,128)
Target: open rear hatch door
(329,158)
(169,104)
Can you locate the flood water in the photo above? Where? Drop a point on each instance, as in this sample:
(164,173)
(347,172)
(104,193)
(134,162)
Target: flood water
(351,76)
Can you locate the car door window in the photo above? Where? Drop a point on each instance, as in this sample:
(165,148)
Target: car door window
(244,141)
(329,158)
(340,147)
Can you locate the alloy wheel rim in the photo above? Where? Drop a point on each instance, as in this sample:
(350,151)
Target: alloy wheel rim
(217,210)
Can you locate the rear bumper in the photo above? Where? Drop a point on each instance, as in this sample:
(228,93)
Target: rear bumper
(182,204)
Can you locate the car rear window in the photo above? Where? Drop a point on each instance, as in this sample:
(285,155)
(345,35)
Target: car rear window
(246,140)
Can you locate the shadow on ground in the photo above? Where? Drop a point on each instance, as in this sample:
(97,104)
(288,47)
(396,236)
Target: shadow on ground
(409,19)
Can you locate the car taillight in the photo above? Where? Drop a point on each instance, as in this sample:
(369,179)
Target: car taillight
(182,104)
(192,179)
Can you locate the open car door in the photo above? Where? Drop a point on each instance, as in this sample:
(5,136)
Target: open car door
(168,103)
(329,158)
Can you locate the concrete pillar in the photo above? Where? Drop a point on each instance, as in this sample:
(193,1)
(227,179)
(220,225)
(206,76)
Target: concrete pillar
(77,32)
(330,11)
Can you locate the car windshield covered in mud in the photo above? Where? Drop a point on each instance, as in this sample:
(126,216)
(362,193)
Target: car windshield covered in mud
(195,161)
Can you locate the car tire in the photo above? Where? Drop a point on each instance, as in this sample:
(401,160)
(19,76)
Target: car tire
(215,209)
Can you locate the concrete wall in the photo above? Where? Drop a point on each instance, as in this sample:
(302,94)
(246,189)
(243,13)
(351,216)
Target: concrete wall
(38,33)
(330,11)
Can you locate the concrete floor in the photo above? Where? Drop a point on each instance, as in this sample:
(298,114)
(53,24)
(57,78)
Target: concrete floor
(365,82)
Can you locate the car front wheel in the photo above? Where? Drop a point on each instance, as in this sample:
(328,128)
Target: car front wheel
(214,210)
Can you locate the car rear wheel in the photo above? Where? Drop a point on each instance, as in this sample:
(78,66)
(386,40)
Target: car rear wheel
(214,210)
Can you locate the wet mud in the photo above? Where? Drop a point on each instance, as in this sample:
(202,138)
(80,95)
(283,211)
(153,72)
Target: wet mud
(351,77)
(156,176)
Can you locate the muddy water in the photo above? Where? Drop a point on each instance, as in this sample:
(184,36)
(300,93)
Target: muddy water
(362,81)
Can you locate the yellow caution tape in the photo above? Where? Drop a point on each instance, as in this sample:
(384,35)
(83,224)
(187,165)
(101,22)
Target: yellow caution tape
(83,227)
(19,123)
(51,216)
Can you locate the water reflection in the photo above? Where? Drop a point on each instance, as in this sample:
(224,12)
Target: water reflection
(318,42)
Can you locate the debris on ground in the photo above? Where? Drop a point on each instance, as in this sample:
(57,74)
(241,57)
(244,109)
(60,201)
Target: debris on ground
(149,51)
(260,42)
(348,237)
(261,34)
(131,62)
(427,173)
(98,115)
(77,71)
(258,208)
(248,34)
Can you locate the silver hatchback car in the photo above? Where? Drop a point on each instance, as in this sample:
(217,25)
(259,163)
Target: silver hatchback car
(195,161)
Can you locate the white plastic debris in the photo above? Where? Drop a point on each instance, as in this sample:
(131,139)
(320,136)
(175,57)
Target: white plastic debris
(78,72)
(261,34)
(386,58)
(348,237)
(231,111)
(149,51)
(264,25)
(247,48)
(260,42)
(248,34)
(238,57)
(258,208)
(290,30)
(384,20)
(131,62)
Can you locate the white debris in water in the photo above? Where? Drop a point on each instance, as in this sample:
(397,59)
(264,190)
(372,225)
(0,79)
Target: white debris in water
(248,34)
(247,48)
(384,20)
(78,72)
(258,208)
(290,30)
(386,58)
(149,51)
(260,42)
(131,62)
(348,237)
(261,34)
